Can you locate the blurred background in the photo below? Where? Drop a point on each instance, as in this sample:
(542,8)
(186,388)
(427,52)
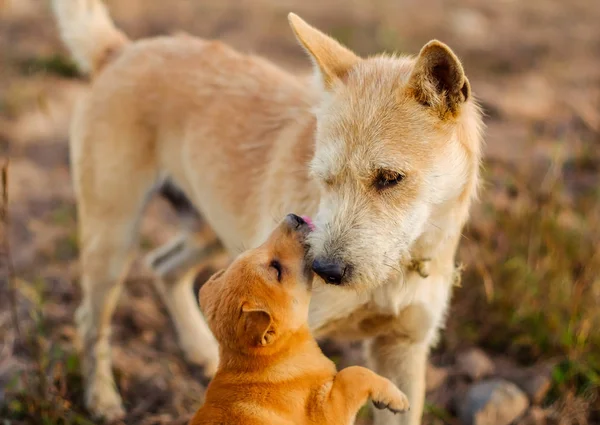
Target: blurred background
(523,335)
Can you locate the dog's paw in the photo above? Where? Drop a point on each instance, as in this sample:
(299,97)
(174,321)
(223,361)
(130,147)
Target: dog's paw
(105,403)
(393,399)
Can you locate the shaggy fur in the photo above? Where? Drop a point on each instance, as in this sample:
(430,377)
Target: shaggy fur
(384,152)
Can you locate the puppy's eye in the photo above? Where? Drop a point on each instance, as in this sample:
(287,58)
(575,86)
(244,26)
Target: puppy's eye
(276,265)
(387,178)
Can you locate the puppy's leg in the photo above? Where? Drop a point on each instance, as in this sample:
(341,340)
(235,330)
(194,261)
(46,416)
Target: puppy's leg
(351,389)
(108,218)
(176,274)
(404,362)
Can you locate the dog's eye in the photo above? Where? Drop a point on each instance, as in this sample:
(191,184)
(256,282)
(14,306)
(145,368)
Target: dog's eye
(387,178)
(276,265)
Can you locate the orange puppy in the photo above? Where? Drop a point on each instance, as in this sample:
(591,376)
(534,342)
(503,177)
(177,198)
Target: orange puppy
(271,369)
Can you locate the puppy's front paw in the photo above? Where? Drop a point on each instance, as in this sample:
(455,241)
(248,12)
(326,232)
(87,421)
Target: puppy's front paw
(392,399)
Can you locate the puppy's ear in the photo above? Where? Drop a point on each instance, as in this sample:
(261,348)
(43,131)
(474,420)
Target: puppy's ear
(332,61)
(438,79)
(257,327)
(207,293)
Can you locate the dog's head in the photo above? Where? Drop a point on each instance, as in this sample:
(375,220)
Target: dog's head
(396,156)
(263,296)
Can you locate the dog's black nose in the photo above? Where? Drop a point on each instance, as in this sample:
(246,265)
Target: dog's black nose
(331,271)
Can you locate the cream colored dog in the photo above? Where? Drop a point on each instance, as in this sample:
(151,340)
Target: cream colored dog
(384,152)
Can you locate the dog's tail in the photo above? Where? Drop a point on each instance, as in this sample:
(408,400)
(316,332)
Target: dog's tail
(89,33)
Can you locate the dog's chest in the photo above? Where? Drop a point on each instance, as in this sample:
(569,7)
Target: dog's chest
(413,308)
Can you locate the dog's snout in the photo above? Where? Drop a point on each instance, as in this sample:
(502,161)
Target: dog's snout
(331,271)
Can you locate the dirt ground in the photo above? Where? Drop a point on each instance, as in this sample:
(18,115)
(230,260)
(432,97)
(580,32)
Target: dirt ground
(531,284)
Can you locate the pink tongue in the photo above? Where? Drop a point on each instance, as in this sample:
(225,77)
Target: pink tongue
(309,222)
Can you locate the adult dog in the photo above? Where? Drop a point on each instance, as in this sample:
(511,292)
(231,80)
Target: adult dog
(384,152)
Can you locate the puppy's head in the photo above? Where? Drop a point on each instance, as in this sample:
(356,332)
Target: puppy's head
(396,157)
(263,296)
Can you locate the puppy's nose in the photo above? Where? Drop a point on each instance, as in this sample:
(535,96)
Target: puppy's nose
(330,270)
(294,221)
(302,224)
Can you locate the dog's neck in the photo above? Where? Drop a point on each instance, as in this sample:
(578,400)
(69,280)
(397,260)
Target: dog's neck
(294,355)
(438,243)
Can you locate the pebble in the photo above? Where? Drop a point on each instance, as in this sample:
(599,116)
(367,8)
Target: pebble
(475,364)
(493,402)
(536,387)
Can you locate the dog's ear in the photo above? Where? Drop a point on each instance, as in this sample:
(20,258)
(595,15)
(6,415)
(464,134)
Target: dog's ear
(257,326)
(438,79)
(332,60)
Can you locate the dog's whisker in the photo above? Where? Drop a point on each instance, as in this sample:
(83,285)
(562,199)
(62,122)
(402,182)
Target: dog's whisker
(439,228)
(431,223)
(392,267)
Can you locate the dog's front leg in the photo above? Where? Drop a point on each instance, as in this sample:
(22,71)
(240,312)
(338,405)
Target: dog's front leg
(404,362)
(350,390)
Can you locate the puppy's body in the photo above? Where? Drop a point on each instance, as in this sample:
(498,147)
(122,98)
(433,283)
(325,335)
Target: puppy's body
(389,179)
(272,370)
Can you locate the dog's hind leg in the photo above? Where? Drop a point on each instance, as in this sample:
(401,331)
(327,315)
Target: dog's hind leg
(108,213)
(194,244)
(176,267)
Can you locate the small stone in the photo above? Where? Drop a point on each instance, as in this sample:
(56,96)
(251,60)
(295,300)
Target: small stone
(148,336)
(493,402)
(435,377)
(475,364)
(67,332)
(536,387)
(536,381)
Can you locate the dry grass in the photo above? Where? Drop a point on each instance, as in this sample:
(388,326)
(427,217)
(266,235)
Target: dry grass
(535,248)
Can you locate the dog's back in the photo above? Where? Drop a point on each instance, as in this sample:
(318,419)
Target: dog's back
(157,102)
